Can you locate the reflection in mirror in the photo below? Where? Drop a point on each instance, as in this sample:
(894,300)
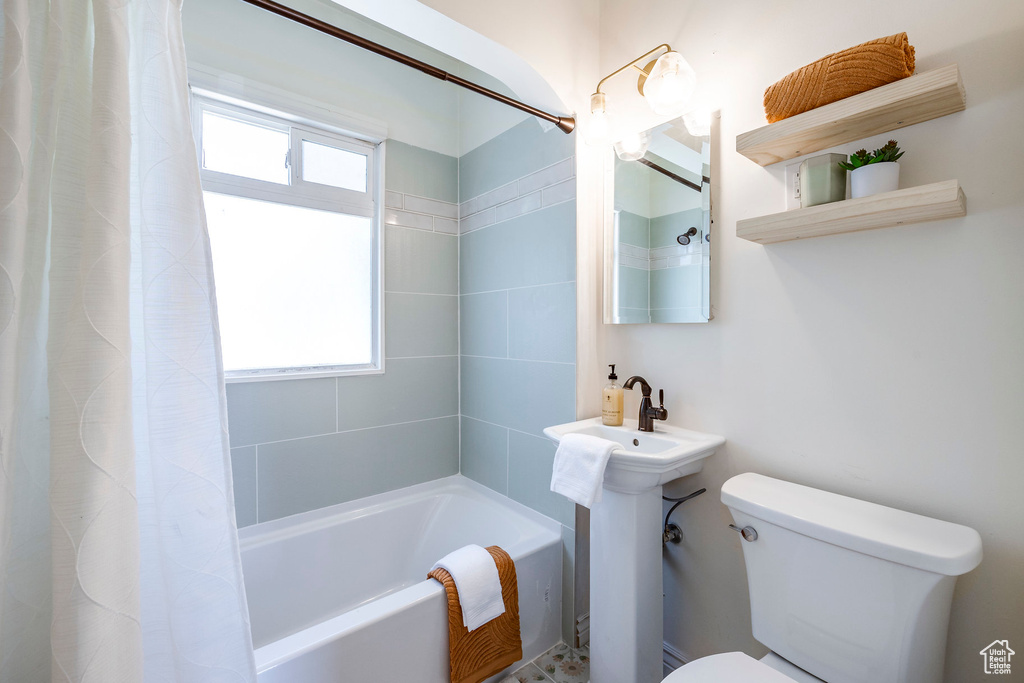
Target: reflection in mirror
(658,236)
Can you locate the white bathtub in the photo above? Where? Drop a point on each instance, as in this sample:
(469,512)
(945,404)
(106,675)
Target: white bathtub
(340,595)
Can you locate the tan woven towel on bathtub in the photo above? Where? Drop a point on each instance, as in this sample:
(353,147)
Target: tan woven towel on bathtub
(481,653)
(840,75)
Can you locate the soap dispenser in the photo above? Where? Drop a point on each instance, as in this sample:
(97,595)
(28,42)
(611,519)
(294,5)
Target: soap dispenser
(611,401)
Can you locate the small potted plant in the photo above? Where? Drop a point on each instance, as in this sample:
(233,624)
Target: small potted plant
(874,172)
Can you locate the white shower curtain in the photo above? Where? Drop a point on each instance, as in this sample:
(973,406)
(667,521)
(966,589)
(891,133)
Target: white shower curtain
(119,556)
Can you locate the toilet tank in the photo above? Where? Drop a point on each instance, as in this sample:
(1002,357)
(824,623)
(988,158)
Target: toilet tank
(850,591)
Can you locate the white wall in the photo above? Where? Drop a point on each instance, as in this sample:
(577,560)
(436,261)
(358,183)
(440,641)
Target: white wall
(557,38)
(884,365)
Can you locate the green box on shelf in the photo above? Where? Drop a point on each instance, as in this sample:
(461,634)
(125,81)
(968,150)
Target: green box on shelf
(822,180)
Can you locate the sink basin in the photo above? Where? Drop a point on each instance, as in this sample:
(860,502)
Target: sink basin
(644,460)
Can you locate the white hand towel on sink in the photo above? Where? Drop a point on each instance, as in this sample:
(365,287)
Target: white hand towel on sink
(476,578)
(578,472)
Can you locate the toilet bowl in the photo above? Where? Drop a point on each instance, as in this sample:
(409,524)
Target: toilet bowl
(737,667)
(841,590)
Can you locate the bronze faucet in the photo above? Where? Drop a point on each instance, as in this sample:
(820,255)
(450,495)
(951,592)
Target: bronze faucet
(648,413)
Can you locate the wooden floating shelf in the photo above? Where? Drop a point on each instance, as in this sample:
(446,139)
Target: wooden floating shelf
(902,207)
(905,102)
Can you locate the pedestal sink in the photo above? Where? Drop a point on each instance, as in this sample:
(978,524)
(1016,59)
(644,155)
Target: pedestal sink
(626,621)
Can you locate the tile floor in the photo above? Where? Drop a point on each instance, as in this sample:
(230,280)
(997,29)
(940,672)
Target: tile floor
(560,664)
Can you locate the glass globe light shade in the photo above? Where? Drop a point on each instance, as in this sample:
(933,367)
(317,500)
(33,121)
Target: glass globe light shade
(670,84)
(632,146)
(599,125)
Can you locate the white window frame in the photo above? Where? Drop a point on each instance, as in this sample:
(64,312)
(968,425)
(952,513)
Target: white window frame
(305,194)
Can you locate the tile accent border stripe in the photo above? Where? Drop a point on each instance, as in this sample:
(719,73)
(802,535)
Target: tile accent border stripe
(549,186)
(420,213)
(660,258)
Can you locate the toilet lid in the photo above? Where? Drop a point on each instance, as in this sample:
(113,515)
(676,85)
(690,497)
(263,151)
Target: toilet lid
(731,667)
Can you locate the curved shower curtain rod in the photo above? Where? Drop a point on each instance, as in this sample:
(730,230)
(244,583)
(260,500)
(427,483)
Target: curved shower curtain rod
(564,123)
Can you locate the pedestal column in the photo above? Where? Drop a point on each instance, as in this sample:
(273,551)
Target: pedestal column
(626,620)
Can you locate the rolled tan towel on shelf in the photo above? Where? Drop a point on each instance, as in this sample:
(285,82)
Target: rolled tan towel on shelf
(840,75)
(479,654)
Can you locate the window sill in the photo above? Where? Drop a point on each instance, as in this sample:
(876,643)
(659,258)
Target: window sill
(239,376)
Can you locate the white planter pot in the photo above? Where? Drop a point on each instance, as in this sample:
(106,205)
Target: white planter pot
(875,178)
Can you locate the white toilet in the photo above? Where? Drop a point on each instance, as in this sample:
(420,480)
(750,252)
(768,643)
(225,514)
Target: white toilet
(841,590)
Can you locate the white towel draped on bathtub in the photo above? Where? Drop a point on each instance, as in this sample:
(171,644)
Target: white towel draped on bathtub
(578,471)
(476,578)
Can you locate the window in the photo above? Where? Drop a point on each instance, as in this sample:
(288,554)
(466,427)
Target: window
(294,230)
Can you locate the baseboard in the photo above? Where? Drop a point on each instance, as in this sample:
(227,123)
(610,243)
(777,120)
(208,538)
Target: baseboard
(583,629)
(672,658)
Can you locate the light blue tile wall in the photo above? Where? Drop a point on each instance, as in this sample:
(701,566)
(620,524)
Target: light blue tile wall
(634,229)
(634,286)
(485,453)
(673,287)
(421,325)
(420,262)
(542,323)
(410,389)
(260,412)
(516,153)
(306,474)
(421,172)
(484,324)
(517,326)
(523,395)
(533,249)
(301,444)
(530,459)
(517,285)
(665,229)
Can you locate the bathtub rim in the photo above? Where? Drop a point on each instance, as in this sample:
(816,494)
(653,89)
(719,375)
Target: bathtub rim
(263,533)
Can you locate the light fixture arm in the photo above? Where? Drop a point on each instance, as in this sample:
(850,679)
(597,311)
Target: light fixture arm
(649,53)
(673,82)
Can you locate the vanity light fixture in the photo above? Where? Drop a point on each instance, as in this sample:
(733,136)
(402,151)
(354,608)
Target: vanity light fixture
(669,83)
(666,83)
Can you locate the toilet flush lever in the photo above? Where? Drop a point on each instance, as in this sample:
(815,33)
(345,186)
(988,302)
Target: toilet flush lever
(748,533)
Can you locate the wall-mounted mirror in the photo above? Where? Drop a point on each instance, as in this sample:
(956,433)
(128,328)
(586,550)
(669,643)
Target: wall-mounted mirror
(658,230)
